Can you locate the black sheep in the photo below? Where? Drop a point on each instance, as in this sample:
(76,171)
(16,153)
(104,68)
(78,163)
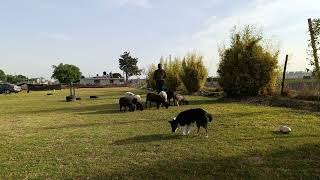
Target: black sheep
(131,104)
(171,95)
(125,102)
(139,106)
(152,97)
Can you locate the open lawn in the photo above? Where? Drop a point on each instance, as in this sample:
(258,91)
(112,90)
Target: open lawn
(44,137)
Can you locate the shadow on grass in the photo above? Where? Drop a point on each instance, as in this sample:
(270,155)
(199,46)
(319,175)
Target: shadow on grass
(203,101)
(300,162)
(279,135)
(146,139)
(108,111)
(240,114)
(90,109)
(96,124)
(214,100)
(69,126)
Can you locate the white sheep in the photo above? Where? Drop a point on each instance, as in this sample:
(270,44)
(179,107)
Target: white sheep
(164,95)
(138,97)
(130,95)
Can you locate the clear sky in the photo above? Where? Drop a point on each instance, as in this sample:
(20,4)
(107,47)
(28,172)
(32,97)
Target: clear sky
(36,34)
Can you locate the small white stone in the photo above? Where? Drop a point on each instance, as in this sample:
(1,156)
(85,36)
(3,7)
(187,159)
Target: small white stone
(285,129)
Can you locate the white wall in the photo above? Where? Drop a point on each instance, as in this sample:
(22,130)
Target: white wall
(100,82)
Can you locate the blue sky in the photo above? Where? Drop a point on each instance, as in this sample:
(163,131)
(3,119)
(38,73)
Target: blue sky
(36,34)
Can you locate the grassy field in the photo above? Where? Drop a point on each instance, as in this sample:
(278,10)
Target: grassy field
(44,137)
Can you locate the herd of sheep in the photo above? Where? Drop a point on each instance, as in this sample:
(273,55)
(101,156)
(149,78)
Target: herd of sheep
(133,101)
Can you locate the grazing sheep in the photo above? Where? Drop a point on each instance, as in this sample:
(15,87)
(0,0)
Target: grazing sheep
(126,102)
(157,98)
(171,95)
(164,95)
(181,99)
(139,106)
(131,96)
(131,104)
(138,97)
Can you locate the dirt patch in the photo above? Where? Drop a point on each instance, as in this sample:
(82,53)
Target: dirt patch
(256,160)
(285,102)
(275,101)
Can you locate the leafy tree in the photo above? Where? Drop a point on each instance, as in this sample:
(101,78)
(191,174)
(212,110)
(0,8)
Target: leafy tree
(193,72)
(128,64)
(316,33)
(2,75)
(116,75)
(10,78)
(247,68)
(20,78)
(68,74)
(16,79)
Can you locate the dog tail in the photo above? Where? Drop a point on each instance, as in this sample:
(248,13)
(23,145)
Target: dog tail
(209,116)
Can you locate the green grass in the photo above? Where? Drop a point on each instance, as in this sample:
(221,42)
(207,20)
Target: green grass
(44,137)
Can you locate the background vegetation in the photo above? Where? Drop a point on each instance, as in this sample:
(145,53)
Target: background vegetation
(128,64)
(247,68)
(67,74)
(193,72)
(173,69)
(316,31)
(12,78)
(150,72)
(190,72)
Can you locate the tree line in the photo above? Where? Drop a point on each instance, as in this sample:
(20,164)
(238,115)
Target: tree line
(14,79)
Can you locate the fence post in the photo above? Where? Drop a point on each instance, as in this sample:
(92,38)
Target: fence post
(284,75)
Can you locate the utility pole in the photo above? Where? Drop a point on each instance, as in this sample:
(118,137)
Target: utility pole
(284,75)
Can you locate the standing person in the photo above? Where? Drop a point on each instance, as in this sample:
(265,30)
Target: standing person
(159,76)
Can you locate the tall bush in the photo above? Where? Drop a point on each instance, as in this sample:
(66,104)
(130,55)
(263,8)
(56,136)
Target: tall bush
(173,69)
(150,71)
(193,72)
(247,68)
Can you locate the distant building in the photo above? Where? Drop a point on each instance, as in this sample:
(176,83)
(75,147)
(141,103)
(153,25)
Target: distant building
(212,82)
(104,80)
(37,81)
(41,80)
(298,75)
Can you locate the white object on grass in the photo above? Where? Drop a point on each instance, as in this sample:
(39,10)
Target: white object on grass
(285,129)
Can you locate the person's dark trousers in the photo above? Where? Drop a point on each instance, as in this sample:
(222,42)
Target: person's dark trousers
(160,86)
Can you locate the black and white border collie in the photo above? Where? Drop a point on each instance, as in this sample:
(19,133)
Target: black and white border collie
(187,118)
